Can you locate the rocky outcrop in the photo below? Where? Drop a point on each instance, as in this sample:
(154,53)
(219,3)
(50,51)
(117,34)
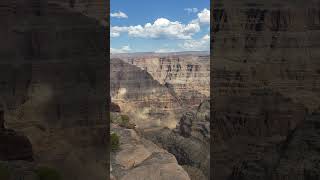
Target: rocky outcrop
(185,124)
(114,107)
(14,146)
(139,159)
(188,142)
(265,84)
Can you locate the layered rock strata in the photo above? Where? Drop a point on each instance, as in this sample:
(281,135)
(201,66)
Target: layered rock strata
(147,102)
(188,142)
(160,88)
(52,85)
(265,78)
(186,75)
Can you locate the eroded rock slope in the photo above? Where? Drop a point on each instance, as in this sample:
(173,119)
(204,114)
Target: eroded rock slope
(189,142)
(138,158)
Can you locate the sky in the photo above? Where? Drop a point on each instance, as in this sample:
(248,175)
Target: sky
(159,25)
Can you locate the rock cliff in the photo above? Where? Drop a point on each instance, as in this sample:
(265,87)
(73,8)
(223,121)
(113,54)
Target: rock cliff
(186,75)
(138,158)
(158,91)
(265,78)
(189,142)
(52,80)
(136,92)
(167,85)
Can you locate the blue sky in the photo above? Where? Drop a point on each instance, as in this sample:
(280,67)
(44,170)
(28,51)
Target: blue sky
(159,25)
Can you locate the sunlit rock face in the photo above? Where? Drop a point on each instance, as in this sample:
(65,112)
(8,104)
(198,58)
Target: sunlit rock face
(138,158)
(186,75)
(265,74)
(53,84)
(147,101)
(160,87)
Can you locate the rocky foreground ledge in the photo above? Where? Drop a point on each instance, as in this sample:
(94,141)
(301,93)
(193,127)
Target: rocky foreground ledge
(140,159)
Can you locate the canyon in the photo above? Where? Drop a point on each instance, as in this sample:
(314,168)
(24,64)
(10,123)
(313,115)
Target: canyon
(166,97)
(161,86)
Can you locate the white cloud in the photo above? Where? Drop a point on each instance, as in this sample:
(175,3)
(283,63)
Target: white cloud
(116,30)
(123,49)
(191,10)
(204,16)
(165,50)
(119,14)
(202,44)
(160,28)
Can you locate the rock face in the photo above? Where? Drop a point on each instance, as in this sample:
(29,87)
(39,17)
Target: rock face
(14,146)
(52,80)
(187,75)
(185,124)
(114,107)
(139,159)
(147,101)
(94,8)
(19,170)
(189,142)
(160,87)
(297,157)
(265,78)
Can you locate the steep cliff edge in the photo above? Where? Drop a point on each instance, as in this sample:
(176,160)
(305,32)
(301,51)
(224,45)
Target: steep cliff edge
(137,158)
(189,142)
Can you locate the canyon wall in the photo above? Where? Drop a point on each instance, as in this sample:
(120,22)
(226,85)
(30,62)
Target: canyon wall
(96,9)
(53,84)
(265,82)
(189,142)
(147,101)
(186,75)
(163,84)
(158,91)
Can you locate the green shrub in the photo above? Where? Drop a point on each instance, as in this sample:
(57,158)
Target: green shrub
(125,119)
(126,123)
(4,172)
(46,173)
(115,141)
